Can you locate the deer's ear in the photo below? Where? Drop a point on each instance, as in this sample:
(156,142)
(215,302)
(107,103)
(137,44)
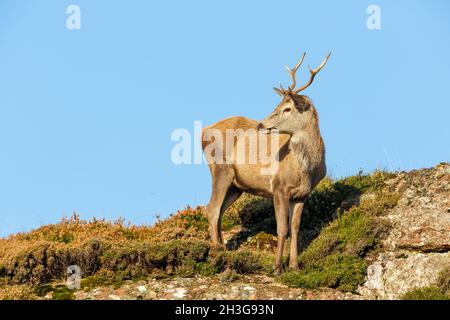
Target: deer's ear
(278,91)
(302,103)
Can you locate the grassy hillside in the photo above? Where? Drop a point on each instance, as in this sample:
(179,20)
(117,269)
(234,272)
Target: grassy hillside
(340,229)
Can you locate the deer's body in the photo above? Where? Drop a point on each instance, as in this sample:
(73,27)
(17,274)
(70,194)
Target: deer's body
(301,166)
(298,158)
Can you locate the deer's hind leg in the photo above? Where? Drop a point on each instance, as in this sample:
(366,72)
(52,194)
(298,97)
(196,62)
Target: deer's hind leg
(223,194)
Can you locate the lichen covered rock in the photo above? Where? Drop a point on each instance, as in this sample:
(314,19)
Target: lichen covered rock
(417,248)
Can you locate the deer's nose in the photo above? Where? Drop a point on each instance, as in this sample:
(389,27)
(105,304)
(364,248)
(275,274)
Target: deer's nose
(260,126)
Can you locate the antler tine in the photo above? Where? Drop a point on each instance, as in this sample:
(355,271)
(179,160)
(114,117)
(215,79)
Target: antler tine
(313,74)
(293,71)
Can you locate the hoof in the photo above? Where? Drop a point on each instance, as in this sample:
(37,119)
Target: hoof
(294,267)
(217,245)
(293,264)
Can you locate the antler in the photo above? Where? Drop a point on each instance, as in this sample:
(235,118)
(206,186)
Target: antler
(291,89)
(313,74)
(293,71)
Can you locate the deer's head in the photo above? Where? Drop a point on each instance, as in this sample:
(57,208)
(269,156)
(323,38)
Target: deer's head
(295,111)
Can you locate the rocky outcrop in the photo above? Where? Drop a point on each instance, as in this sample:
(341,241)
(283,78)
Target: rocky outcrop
(417,248)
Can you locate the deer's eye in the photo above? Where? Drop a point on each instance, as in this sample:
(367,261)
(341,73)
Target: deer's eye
(287,110)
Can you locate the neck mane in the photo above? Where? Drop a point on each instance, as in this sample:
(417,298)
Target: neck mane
(307,145)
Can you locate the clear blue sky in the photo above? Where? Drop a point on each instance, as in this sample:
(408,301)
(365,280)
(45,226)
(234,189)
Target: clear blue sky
(86,115)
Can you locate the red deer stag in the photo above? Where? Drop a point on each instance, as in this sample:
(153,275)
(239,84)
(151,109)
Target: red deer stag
(301,164)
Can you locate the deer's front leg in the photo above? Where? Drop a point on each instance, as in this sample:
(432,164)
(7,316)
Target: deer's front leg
(281,203)
(295,226)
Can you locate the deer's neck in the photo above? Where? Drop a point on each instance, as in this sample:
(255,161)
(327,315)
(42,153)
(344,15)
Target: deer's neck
(308,147)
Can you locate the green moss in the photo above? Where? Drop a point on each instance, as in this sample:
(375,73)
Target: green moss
(60,292)
(353,233)
(425,293)
(63,295)
(102,279)
(304,279)
(335,271)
